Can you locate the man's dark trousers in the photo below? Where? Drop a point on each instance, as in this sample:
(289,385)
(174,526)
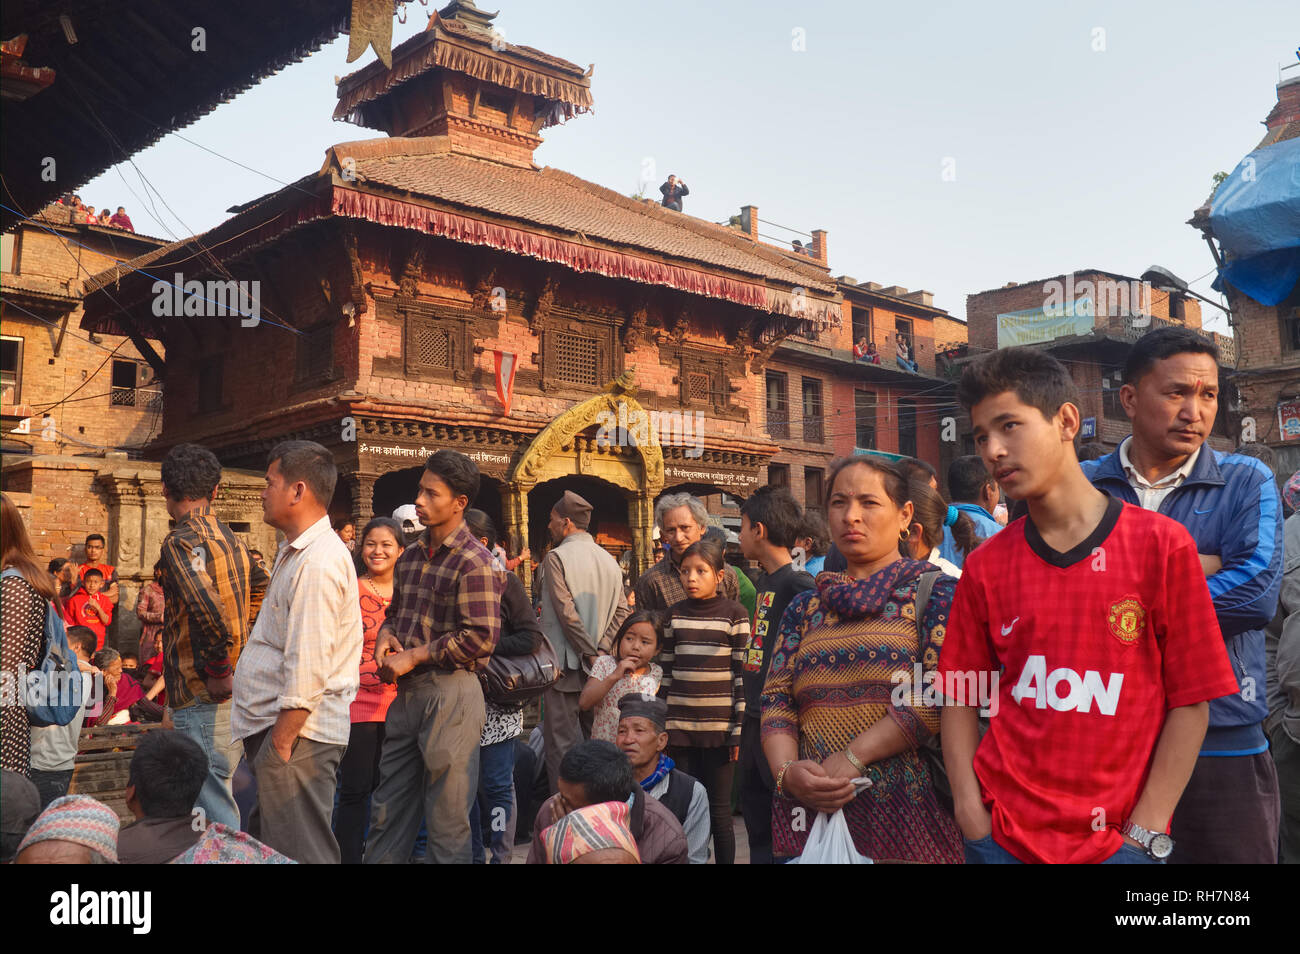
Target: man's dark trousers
(755,792)
(295,798)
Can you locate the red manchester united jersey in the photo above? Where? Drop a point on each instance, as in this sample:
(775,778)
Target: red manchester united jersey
(1094,646)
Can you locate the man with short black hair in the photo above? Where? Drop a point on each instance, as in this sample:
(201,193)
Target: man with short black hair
(168,770)
(443,624)
(96,548)
(769,523)
(974,492)
(298,674)
(597,771)
(1229,503)
(582,608)
(212,591)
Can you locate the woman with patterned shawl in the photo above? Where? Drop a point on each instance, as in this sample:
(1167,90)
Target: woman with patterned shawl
(839,702)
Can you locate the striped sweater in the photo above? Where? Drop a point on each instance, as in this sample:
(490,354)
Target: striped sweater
(703,658)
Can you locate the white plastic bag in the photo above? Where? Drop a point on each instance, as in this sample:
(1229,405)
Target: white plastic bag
(830,842)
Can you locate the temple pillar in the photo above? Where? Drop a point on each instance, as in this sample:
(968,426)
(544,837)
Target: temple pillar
(641,511)
(361,490)
(514,509)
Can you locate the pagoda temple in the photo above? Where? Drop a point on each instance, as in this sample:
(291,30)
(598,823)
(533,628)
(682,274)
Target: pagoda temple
(435,288)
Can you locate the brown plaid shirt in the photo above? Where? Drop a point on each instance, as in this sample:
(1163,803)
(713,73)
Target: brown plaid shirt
(660,587)
(450,598)
(212,591)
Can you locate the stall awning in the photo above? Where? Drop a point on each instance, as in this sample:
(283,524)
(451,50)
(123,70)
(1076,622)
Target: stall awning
(1255,215)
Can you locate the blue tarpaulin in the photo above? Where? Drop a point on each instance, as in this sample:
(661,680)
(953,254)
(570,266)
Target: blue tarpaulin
(1255,215)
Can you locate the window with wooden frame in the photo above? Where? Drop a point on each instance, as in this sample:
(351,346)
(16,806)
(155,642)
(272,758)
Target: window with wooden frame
(126,377)
(438,343)
(814,430)
(702,380)
(11,369)
(778,407)
(578,353)
(814,482)
(315,355)
(778,475)
(864,412)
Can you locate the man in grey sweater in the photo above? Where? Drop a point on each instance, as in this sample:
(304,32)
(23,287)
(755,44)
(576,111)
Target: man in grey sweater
(582,608)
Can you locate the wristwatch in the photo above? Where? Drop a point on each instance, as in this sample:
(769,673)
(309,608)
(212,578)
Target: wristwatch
(1158,845)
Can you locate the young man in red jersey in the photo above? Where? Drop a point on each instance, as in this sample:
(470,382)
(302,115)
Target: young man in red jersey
(1098,615)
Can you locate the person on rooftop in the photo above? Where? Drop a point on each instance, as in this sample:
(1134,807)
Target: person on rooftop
(673,190)
(121,220)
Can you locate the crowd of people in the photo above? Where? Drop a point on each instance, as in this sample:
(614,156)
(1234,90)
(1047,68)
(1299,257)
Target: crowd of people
(1108,674)
(83,214)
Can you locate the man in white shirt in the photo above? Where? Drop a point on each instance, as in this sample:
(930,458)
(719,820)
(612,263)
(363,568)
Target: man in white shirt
(298,675)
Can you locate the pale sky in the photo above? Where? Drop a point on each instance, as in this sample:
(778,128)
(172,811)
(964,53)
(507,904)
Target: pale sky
(1078,134)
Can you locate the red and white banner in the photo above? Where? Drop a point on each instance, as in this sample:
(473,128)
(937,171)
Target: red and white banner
(505,364)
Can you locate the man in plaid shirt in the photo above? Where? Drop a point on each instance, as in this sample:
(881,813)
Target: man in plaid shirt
(212,591)
(443,624)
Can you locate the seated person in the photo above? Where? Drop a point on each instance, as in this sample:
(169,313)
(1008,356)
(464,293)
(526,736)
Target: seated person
(643,736)
(595,835)
(593,772)
(21,804)
(860,348)
(167,773)
(124,698)
(219,845)
(872,355)
(90,607)
(73,830)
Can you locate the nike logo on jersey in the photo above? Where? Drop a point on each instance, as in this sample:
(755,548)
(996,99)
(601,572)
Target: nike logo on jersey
(1202,512)
(1006,630)
(1065,690)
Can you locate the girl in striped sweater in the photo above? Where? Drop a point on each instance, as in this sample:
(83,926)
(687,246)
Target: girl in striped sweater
(703,657)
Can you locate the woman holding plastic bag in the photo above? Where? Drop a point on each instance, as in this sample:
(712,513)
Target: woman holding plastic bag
(839,702)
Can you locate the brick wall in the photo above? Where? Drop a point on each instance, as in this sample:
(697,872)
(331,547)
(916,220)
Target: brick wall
(89,421)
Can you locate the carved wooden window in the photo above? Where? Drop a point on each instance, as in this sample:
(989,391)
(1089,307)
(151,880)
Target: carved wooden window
(578,351)
(432,346)
(438,342)
(698,386)
(575,359)
(315,354)
(701,378)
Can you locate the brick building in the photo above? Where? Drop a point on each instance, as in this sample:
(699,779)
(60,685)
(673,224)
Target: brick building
(396,281)
(1088,319)
(1267,373)
(822,402)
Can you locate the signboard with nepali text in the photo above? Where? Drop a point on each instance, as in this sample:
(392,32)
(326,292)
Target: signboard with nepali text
(1288,419)
(1034,325)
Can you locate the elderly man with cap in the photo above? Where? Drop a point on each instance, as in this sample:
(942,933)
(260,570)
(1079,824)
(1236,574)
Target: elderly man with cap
(682,519)
(582,607)
(643,736)
(73,830)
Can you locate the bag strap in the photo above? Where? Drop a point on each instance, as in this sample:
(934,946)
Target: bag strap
(924,587)
(637,819)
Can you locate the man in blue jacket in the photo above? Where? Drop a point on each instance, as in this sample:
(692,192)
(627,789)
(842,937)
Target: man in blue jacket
(1229,812)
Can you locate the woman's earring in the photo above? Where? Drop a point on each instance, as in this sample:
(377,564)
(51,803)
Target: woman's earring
(904,533)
